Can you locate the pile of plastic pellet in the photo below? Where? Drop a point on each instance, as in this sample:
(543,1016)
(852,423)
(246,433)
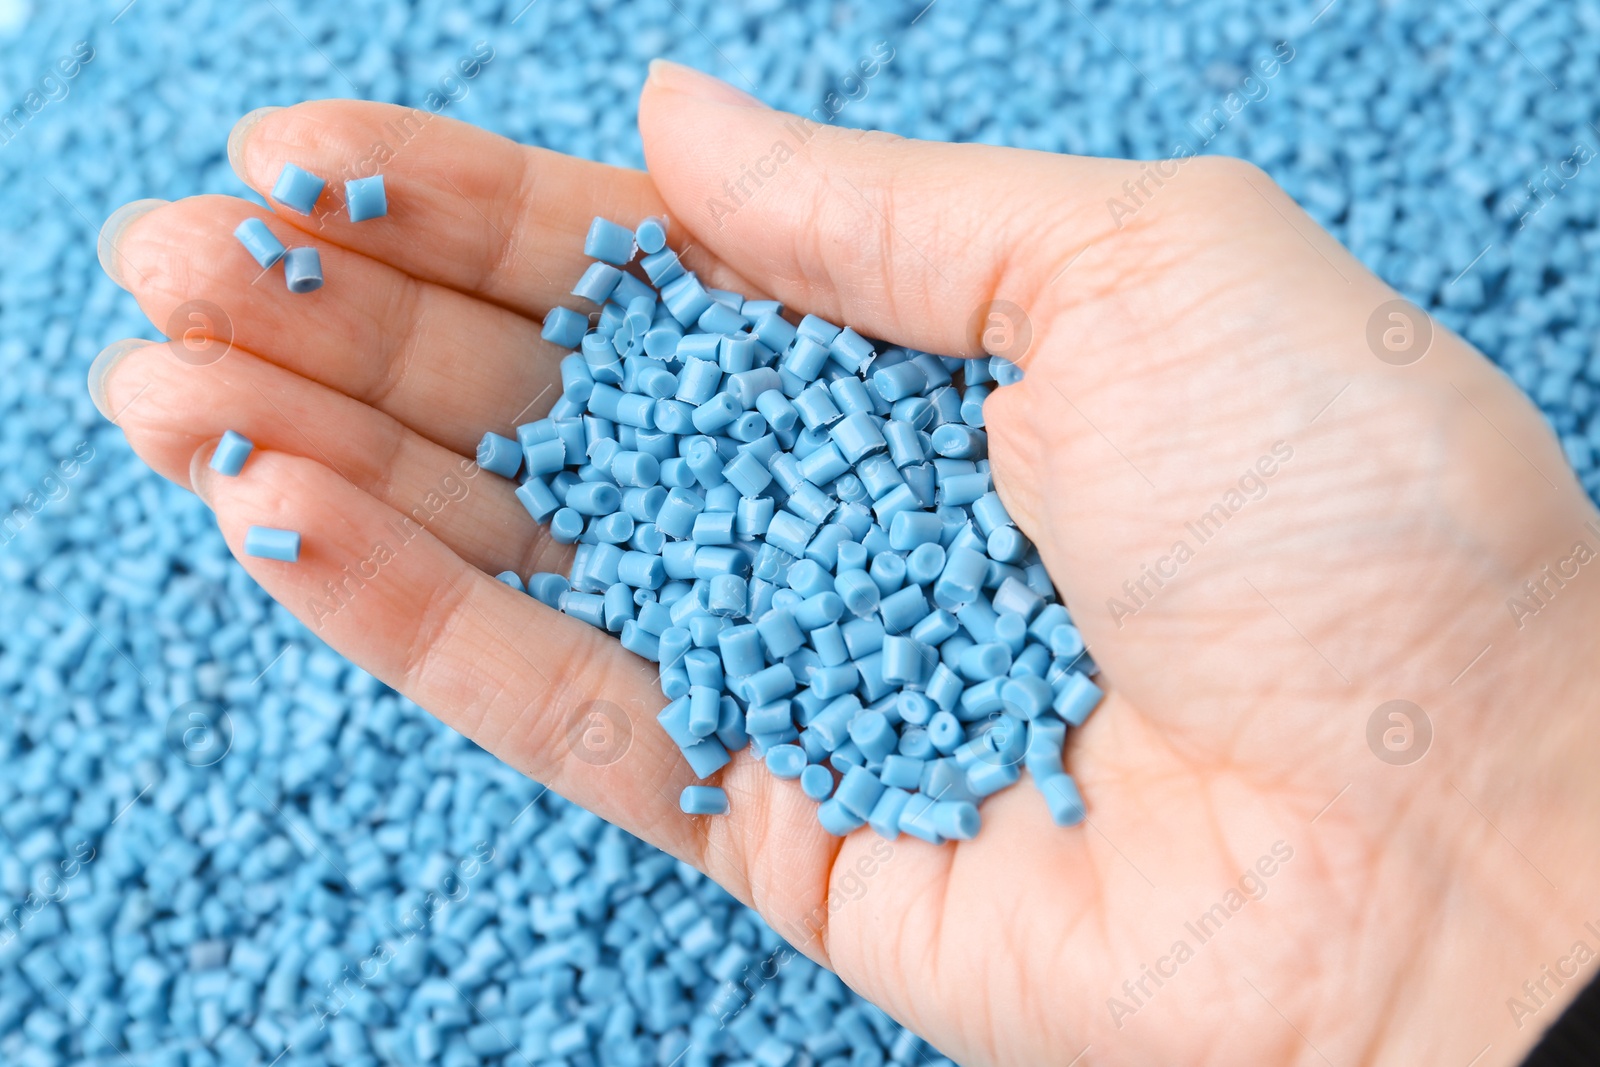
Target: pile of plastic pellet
(801,528)
(242,880)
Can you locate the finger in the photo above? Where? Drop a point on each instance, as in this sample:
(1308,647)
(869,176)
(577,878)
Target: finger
(903,240)
(513,675)
(169,409)
(444,364)
(501,221)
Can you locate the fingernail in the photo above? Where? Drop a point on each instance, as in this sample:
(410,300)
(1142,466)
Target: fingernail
(241,130)
(100,370)
(681,79)
(200,471)
(109,249)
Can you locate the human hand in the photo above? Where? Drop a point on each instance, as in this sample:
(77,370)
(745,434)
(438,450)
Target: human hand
(1167,357)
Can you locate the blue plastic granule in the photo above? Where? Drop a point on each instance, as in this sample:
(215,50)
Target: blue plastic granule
(365,198)
(703,800)
(816,781)
(231,452)
(259,241)
(1061,793)
(266,542)
(297,189)
(499,455)
(302,269)
(609,242)
(651,237)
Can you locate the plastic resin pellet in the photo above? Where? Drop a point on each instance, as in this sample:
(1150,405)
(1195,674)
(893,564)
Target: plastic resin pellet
(837,818)
(259,241)
(499,455)
(858,791)
(955,820)
(1076,699)
(297,189)
(302,270)
(989,775)
(565,327)
(703,800)
(786,761)
(267,542)
(754,507)
(609,242)
(651,235)
(231,452)
(816,782)
(365,198)
(1062,796)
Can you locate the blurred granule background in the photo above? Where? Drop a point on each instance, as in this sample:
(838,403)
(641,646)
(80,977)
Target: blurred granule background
(222,844)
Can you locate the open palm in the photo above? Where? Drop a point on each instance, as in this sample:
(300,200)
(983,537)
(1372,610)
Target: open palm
(1198,373)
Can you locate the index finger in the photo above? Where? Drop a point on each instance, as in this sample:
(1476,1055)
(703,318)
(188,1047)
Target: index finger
(468,209)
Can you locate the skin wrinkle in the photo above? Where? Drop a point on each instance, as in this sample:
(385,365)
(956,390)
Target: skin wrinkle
(397,349)
(505,255)
(437,617)
(816,260)
(755,831)
(1385,1023)
(822,933)
(1412,973)
(940,909)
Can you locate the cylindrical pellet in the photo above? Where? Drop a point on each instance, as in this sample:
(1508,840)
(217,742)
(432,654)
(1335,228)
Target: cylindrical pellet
(703,800)
(260,242)
(302,270)
(704,708)
(594,498)
(903,662)
(925,562)
(859,435)
(956,820)
(786,761)
(945,732)
(297,188)
(266,542)
(777,410)
(641,571)
(233,449)
(1062,796)
(858,592)
(816,781)
(608,241)
(815,612)
(365,198)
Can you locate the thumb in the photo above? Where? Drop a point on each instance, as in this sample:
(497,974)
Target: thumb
(915,242)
